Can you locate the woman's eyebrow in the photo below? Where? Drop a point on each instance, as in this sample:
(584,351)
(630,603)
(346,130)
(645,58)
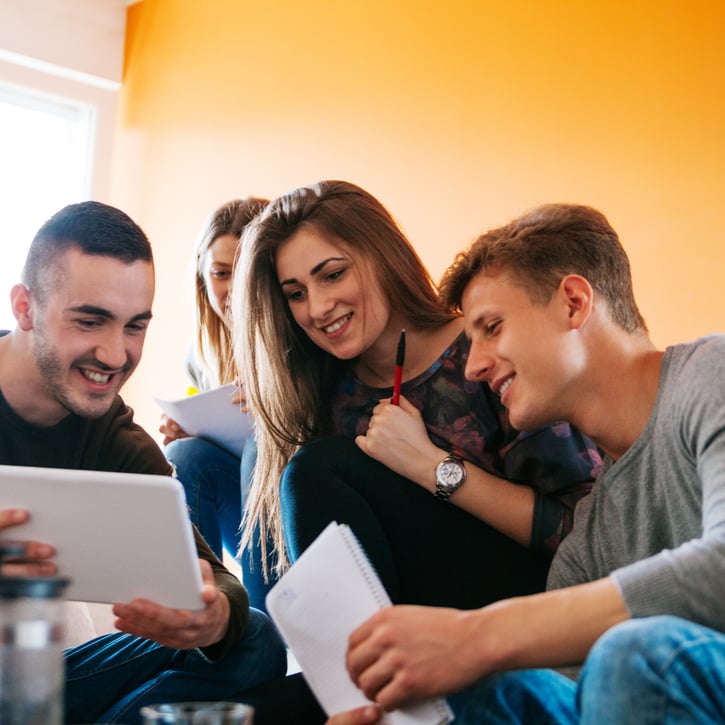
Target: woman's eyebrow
(314,270)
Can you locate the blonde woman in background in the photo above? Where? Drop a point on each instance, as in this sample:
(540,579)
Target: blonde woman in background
(214,479)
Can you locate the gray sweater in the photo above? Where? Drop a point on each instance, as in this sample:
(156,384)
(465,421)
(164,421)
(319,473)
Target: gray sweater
(655,519)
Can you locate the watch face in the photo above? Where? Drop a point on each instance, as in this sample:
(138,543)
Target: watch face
(450,474)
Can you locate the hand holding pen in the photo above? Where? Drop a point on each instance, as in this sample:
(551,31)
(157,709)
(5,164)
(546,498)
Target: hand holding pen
(397,438)
(399,361)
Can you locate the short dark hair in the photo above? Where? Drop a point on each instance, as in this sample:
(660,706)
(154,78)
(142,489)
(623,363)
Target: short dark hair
(94,228)
(543,246)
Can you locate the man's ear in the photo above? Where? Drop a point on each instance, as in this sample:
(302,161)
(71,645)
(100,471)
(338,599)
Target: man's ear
(22,308)
(578,296)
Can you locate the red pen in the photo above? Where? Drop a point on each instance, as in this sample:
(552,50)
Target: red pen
(399,360)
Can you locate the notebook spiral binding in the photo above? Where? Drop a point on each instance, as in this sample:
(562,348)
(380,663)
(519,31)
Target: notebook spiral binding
(365,565)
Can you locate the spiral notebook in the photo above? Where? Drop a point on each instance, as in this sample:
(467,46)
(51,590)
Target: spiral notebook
(327,593)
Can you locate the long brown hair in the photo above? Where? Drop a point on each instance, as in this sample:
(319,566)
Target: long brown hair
(288,378)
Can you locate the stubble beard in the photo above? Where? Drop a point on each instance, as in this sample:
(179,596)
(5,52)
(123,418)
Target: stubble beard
(52,372)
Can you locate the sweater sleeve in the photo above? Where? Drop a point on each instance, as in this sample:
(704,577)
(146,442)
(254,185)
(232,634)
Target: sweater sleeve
(560,464)
(228,584)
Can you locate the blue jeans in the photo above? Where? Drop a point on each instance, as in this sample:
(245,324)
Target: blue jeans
(111,677)
(217,485)
(251,559)
(654,671)
(211,479)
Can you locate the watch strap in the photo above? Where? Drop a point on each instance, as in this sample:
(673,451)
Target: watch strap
(441,494)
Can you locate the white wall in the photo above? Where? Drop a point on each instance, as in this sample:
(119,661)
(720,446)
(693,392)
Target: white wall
(70,49)
(85,36)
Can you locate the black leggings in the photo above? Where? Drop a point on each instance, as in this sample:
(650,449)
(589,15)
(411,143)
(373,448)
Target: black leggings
(426,551)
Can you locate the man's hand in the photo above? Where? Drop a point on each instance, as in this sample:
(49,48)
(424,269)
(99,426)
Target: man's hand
(178,628)
(403,654)
(359,716)
(35,557)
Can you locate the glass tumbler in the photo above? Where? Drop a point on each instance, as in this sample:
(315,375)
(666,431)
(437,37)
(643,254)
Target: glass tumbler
(198,713)
(31,654)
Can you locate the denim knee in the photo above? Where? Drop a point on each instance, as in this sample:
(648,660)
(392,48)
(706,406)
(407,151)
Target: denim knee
(525,696)
(622,650)
(191,454)
(268,648)
(659,669)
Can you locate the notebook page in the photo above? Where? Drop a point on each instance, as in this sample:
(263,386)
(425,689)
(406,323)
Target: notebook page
(329,591)
(213,416)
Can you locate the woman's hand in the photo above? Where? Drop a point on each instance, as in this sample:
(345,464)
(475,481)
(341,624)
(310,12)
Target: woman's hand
(240,396)
(171,430)
(397,438)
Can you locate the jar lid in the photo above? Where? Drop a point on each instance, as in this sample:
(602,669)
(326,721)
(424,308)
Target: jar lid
(42,587)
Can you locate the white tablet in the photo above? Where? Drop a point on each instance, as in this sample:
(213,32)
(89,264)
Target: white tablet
(118,536)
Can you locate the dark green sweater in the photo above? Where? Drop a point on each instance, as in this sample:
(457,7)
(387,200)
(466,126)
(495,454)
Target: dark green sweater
(110,443)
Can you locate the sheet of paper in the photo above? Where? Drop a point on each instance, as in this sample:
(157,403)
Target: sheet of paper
(213,416)
(327,593)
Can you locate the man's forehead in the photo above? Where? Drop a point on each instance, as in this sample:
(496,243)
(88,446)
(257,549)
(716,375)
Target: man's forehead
(493,281)
(478,289)
(98,267)
(486,295)
(105,282)
(75,255)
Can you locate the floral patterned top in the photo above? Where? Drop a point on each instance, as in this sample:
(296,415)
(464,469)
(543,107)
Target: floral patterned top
(468,419)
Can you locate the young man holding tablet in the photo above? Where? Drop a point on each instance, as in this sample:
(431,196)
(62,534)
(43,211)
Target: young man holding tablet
(82,312)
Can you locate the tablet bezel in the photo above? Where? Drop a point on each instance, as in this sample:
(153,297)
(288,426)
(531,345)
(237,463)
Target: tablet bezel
(118,536)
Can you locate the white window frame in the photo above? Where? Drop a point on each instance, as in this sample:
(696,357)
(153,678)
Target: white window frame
(102,101)
(38,88)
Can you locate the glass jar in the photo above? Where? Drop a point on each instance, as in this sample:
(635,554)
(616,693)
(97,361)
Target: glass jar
(31,650)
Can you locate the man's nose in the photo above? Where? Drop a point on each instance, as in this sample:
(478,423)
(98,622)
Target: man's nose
(111,351)
(480,364)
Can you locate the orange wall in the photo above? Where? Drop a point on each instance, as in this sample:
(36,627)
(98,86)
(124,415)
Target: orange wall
(457,115)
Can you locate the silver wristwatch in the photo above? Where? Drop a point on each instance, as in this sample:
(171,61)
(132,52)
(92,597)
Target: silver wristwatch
(450,475)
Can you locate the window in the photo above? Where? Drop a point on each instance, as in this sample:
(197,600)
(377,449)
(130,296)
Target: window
(46,150)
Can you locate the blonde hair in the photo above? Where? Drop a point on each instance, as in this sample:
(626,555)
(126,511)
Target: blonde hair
(289,380)
(213,346)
